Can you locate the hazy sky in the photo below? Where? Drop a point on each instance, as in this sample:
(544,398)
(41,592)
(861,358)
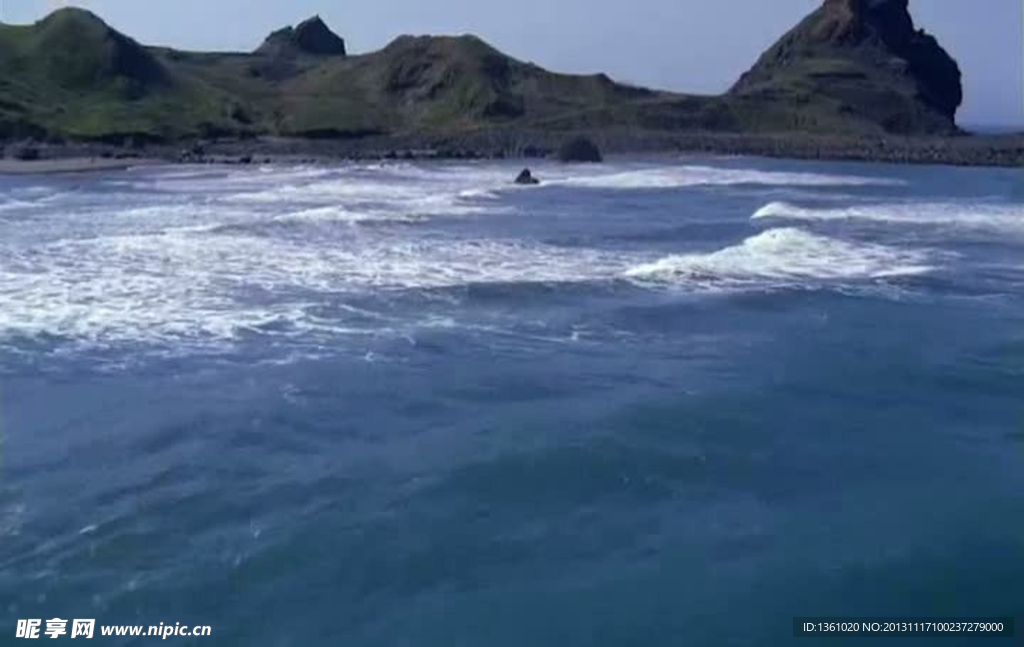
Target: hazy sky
(689,45)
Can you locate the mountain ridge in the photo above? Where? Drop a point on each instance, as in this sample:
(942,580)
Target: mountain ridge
(851,66)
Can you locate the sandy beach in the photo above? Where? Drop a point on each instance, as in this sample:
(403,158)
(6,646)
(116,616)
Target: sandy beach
(70,165)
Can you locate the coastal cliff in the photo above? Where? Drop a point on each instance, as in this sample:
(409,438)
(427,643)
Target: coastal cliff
(861,62)
(851,69)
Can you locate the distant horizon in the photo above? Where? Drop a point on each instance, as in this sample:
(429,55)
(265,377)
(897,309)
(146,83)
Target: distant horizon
(643,43)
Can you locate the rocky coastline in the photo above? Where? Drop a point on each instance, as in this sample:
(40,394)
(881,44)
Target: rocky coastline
(1005,150)
(854,80)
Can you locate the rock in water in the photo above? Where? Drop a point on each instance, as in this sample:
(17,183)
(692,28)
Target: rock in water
(860,59)
(526,177)
(579,149)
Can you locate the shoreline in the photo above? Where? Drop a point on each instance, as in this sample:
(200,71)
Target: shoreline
(69,165)
(84,157)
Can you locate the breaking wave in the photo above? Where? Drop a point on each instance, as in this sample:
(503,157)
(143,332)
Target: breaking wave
(183,285)
(190,256)
(785,255)
(993,217)
(10,205)
(683,176)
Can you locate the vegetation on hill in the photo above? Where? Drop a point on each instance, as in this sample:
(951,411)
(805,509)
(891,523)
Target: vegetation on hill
(853,66)
(71,75)
(860,64)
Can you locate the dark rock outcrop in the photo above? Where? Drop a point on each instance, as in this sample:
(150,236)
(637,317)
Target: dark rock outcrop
(869,61)
(26,153)
(526,177)
(311,36)
(579,149)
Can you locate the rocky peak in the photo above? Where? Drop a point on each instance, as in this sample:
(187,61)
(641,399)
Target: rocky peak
(855,20)
(876,36)
(859,6)
(315,37)
(311,36)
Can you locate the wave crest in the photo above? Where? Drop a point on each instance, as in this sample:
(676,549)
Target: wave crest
(785,254)
(1002,218)
(683,176)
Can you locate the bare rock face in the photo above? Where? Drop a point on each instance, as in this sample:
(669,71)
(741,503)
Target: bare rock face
(867,56)
(580,149)
(315,37)
(311,36)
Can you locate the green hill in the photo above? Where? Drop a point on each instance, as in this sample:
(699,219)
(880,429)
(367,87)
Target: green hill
(853,66)
(72,75)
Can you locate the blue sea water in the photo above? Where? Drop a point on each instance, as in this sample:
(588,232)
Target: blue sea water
(663,401)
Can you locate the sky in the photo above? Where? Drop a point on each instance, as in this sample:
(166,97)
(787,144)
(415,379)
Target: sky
(698,46)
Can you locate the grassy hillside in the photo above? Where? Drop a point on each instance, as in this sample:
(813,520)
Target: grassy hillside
(431,83)
(72,76)
(415,84)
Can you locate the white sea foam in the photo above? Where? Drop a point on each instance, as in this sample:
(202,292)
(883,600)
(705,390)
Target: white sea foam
(1006,218)
(683,176)
(199,285)
(186,254)
(204,178)
(197,255)
(344,215)
(785,255)
(408,210)
(21,197)
(11,205)
(362,194)
(481,194)
(328,190)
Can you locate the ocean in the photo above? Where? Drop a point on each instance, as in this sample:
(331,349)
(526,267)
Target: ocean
(658,401)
